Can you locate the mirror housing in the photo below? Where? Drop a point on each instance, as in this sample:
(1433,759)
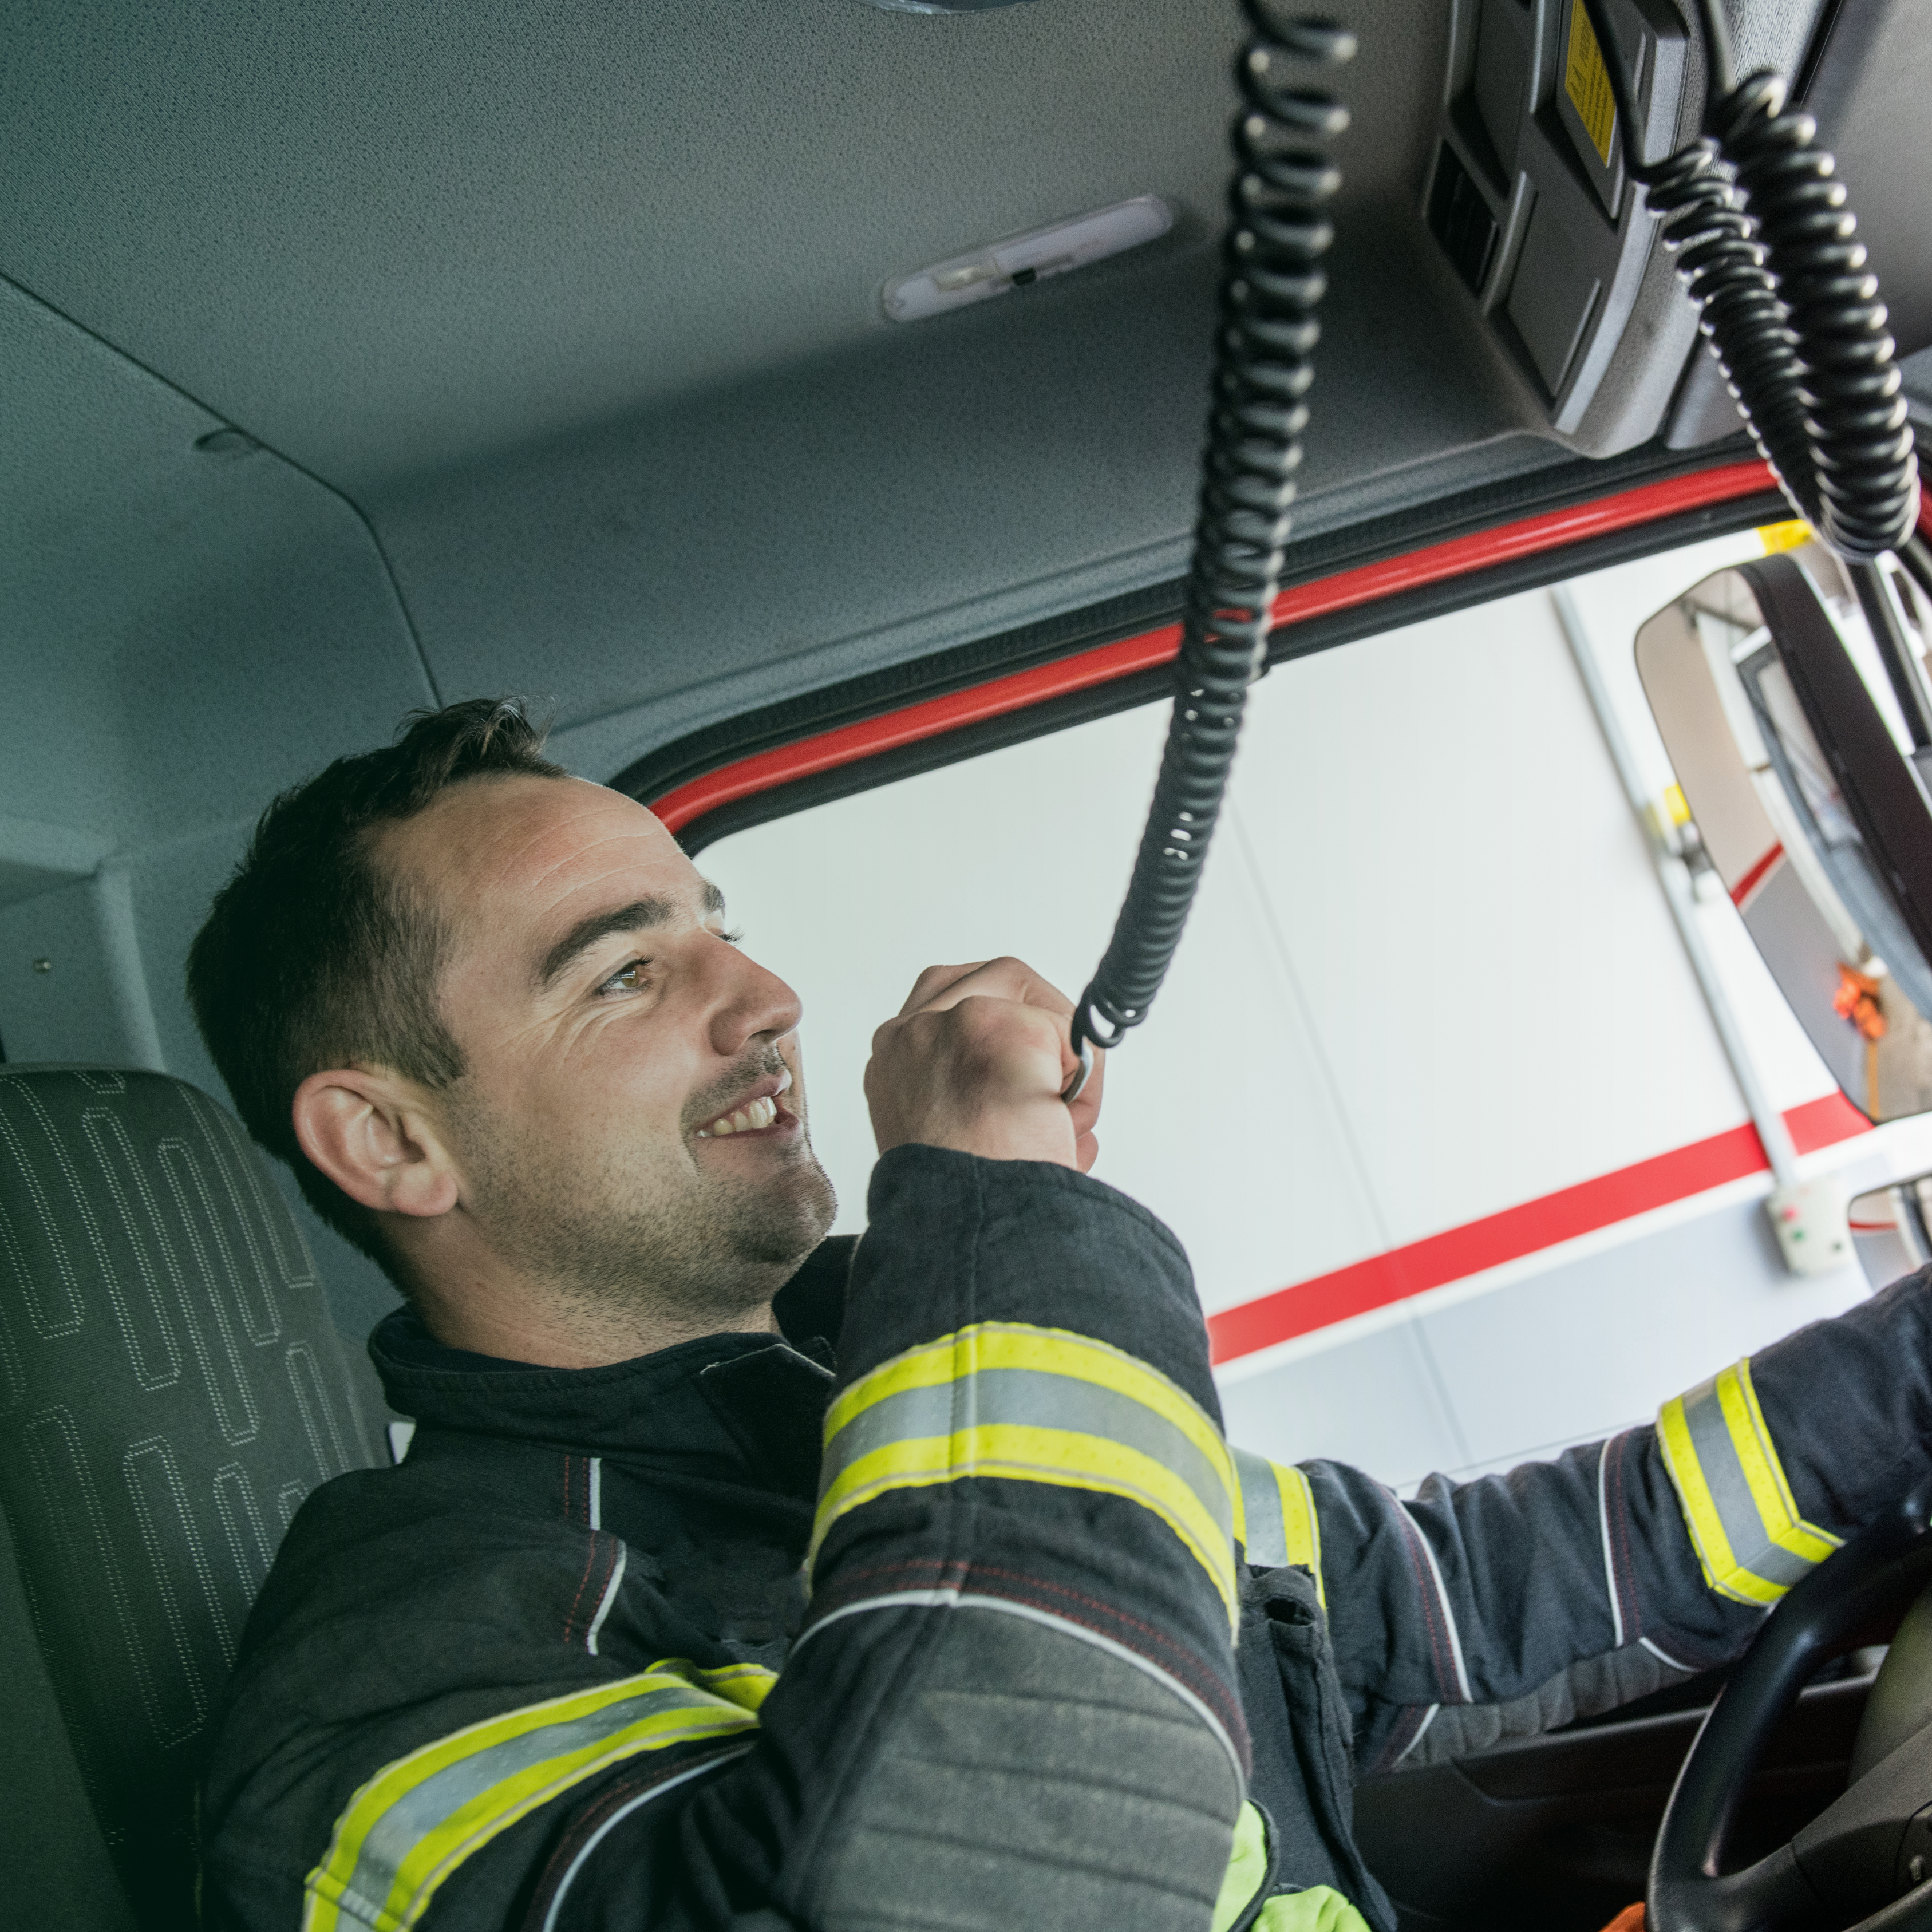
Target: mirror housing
(1795,726)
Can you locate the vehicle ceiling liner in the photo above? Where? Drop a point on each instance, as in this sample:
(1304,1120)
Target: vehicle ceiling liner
(576,312)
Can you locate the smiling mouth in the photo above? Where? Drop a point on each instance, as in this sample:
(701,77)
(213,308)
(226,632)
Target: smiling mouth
(755,1116)
(748,1120)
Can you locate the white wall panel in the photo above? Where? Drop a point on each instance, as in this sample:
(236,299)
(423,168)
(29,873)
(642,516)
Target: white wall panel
(1373,1400)
(1219,1115)
(1025,852)
(1472,911)
(1589,1346)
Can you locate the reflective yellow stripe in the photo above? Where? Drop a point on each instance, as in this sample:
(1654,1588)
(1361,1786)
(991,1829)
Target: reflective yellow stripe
(1321,1910)
(1247,1867)
(1013,1344)
(1778,1507)
(1034,1405)
(417,1819)
(1277,1524)
(1064,1457)
(1301,1528)
(1750,1541)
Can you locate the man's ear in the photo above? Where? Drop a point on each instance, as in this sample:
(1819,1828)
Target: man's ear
(370,1133)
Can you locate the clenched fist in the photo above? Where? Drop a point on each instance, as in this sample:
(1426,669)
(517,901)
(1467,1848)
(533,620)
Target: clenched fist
(976,1061)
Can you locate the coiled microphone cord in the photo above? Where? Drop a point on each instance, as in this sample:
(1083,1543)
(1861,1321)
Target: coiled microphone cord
(1271,282)
(1768,249)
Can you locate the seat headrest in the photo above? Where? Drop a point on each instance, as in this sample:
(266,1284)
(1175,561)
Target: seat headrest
(172,1386)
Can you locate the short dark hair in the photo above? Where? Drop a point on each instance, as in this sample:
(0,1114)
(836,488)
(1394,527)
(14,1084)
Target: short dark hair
(314,954)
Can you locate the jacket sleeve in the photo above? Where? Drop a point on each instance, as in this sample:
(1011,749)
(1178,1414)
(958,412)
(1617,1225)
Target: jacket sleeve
(1013,1700)
(1492,1609)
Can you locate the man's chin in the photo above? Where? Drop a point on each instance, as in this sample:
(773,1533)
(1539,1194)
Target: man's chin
(781,1220)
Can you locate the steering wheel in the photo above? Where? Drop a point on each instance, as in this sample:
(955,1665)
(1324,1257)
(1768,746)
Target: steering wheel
(1870,1853)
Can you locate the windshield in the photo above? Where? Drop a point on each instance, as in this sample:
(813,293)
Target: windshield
(1431,1098)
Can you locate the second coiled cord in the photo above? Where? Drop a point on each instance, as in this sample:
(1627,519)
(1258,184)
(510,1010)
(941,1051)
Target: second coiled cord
(1768,249)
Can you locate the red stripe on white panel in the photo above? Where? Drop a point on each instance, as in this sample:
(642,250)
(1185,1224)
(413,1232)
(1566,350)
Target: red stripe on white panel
(1755,876)
(1439,1259)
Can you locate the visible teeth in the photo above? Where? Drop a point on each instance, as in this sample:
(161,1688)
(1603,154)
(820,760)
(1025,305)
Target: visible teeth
(747,1120)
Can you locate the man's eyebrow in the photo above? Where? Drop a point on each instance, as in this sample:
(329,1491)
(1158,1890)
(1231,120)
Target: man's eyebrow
(640,915)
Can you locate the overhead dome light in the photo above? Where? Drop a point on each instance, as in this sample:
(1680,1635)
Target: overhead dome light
(941,6)
(1035,257)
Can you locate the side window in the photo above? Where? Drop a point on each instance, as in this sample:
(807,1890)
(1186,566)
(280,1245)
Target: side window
(1432,1095)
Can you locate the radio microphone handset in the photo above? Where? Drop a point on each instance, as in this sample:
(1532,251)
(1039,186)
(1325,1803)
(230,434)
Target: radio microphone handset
(1768,249)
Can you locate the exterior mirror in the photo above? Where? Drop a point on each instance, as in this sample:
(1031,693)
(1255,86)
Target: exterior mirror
(1891,1228)
(1797,719)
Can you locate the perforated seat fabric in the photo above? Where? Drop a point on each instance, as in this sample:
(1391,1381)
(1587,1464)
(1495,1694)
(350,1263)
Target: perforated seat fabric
(172,1386)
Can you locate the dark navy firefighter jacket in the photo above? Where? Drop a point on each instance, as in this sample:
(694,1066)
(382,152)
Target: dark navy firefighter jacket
(953,1609)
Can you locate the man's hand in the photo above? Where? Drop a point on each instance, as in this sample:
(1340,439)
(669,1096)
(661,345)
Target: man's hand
(976,1061)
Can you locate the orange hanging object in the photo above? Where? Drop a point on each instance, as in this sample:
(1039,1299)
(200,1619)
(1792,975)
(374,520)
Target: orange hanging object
(1631,1919)
(1856,1000)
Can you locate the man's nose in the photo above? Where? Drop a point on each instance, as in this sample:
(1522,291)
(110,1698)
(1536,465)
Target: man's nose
(752,1002)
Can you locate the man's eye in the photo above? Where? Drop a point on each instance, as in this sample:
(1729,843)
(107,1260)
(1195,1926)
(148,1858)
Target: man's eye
(629,979)
(735,937)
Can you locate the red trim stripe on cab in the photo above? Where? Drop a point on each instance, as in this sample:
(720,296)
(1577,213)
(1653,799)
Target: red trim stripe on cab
(1436,563)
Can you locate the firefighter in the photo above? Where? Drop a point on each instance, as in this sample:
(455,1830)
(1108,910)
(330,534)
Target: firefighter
(737,1576)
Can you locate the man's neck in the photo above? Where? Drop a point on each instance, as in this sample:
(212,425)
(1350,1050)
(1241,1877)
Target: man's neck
(473,1300)
(470,1296)
(550,1336)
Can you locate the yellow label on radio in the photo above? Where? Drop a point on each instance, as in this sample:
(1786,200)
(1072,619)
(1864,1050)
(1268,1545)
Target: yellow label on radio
(1587,83)
(1776,537)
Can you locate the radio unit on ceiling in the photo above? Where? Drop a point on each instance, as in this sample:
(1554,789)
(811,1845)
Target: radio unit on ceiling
(1530,199)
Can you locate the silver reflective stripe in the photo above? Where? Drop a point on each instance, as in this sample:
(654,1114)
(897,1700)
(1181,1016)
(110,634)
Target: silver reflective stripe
(623,1811)
(1610,1559)
(1261,1503)
(1730,1493)
(1421,1731)
(955,1599)
(609,1596)
(440,1796)
(1665,1658)
(1029,1398)
(498,1771)
(1415,1529)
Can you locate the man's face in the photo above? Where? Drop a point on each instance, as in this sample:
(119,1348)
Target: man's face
(631,1130)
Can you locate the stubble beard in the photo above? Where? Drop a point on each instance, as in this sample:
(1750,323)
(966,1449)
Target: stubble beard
(643,1234)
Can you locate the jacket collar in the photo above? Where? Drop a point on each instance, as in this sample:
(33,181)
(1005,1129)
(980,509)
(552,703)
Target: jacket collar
(732,1406)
